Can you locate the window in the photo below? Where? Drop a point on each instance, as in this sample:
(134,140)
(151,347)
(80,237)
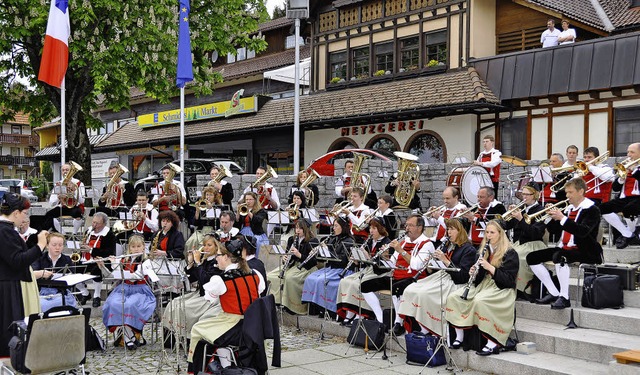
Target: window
(16,129)
(383,143)
(242,54)
(15,151)
(627,122)
(231,58)
(191,166)
(360,57)
(110,127)
(384,57)
(427,148)
(409,53)
(436,47)
(338,65)
(513,137)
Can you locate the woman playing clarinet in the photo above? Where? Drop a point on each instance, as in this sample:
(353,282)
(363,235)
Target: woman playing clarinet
(251,218)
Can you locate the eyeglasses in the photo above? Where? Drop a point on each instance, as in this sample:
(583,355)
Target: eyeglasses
(410,225)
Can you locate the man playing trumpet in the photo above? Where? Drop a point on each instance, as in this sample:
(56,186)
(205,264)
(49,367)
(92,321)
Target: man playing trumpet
(436,216)
(488,208)
(145,215)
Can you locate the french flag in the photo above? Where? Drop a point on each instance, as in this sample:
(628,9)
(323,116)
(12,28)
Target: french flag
(55,55)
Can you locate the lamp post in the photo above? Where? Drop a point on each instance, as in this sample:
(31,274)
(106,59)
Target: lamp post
(297,9)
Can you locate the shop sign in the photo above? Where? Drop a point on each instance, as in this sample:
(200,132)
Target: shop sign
(100,167)
(382,128)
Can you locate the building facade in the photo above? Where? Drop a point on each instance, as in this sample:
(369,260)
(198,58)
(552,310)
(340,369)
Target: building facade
(19,145)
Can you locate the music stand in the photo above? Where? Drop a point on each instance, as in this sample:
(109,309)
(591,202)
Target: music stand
(277,250)
(310,214)
(542,175)
(64,281)
(325,253)
(275,219)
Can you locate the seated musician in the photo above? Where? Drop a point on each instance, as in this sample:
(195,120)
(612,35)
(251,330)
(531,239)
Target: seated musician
(628,202)
(249,246)
(599,178)
(145,215)
(65,201)
(234,290)
(490,159)
(120,195)
(491,297)
(131,303)
(28,234)
(222,188)
(386,215)
(227,229)
(287,280)
(488,208)
(350,302)
(357,214)
(556,161)
(578,224)
(311,188)
(392,185)
(409,255)
(205,216)
(43,268)
(169,241)
(321,287)
(345,183)
(251,217)
(437,216)
(100,243)
(267,195)
(526,237)
(170,193)
(183,312)
(421,301)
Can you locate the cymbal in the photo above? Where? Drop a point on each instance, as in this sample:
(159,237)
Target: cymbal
(513,160)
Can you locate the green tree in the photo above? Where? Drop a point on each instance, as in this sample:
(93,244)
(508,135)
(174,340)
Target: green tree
(279,12)
(114,46)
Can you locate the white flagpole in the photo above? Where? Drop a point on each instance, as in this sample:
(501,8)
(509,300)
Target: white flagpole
(182,135)
(63,149)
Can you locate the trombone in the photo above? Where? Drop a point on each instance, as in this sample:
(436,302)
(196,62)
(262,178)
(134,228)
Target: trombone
(544,214)
(622,169)
(509,214)
(365,222)
(339,207)
(433,210)
(580,167)
(473,208)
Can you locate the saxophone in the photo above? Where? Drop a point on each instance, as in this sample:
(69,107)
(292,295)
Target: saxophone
(473,276)
(154,245)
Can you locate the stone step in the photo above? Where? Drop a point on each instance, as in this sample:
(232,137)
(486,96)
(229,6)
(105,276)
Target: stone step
(631,297)
(625,320)
(592,345)
(628,255)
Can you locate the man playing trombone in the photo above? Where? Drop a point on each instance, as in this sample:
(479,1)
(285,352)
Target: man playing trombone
(599,177)
(628,203)
(436,216)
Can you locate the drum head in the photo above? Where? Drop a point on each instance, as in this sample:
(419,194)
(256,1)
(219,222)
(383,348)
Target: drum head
(406,155)
(473,179)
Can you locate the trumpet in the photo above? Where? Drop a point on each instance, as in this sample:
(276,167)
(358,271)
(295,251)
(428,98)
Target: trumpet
(509,214)
(433,210)
(544,214)
(471,209)
(243,209)
(203,204)
(622,169)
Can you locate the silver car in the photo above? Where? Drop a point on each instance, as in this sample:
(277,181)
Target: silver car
(6,184)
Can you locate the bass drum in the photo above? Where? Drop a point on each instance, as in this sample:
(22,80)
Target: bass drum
(469,180)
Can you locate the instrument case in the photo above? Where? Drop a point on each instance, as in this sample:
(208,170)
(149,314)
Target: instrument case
(629,274)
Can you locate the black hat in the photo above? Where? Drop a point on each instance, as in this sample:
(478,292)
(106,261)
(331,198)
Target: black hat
(234,247)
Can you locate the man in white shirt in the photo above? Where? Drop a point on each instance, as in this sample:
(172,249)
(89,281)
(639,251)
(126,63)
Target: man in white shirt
(550,36)
(490,159)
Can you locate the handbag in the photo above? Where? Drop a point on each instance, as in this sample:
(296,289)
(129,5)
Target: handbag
(602,291)
(375,333)
(421,348)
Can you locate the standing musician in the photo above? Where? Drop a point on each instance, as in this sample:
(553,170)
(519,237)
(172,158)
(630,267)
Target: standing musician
(119,196)
(490,160)
(251,218)
(313,188)
(410,255)
(43,268)
(293,272)
(227,230)
(223,189)
(267,195)
(572,156)
(145,215)
(527,238)
(204,215)
(392,185)
(321,287)
(66,201)
(578,223)
(169,241)
(599,179)
(386,215)
(172,197)
(490,297)
(100,243)
(357,213)
(344,183)
(349,296)
(488,208)
(629,200)
(556,161)
(438,215)
(421,301)
(28,234)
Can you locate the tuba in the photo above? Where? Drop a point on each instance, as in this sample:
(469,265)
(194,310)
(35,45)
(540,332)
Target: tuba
(224,173)
(113,193)
(357,177)
(171,190)
(70,198)
(270,173)
(304,186)
(408,171)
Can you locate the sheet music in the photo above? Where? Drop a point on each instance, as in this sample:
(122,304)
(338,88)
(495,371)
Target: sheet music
(311,214)
(74,278)
(73,244)
(154,191)
(273,249)
(125,215)
(125,275)
(542,174)
(278,217)
(324,251)
(213,213)
(360,254)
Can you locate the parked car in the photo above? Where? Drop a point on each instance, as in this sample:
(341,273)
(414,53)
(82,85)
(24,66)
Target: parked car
(25,190)
(192,168)
(325,164)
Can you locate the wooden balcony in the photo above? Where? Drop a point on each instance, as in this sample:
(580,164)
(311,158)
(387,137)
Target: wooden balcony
(19,161)
(20,139)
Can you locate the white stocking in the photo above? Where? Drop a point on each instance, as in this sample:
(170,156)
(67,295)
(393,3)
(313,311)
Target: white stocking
(543,274)
(459,334)
(224,356)
(614,220)
(563,277)
(97,285)
(374,303)
(396,306)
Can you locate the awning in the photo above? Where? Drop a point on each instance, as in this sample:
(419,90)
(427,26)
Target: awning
(286,73)
(48,153)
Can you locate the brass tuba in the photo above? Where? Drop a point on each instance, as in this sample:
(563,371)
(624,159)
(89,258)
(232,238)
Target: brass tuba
(72,195)
(224,173)
(408,171)
(304,186)
(270,173)
(357,177)
(293,212)
(171,189)
(113,193)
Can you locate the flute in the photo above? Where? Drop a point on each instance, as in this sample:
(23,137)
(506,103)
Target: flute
(96,260)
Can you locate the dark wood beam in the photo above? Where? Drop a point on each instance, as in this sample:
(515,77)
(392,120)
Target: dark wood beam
(553,99)
(636,88)
(574,97)
(594,95)
(617,92)
(534,101)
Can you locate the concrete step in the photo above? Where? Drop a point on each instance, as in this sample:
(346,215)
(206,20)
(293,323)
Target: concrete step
(592,345)
(629,255)
(631,297)
(625,320)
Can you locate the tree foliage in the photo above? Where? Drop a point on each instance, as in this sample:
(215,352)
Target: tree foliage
(114,46)
(279,12)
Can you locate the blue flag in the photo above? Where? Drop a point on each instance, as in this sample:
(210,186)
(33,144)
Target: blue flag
(185,66)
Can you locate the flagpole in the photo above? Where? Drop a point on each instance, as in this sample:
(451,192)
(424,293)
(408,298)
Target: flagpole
(63,148)
(182,135)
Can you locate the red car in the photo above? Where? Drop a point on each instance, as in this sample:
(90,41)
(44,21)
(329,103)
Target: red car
(324,165)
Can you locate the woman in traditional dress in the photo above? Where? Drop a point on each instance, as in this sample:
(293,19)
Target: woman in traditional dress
(350,300)
(490,302)
(250,222)
(287,289)
(313,188)
(297,199)
(422,300)
(183,312)
(18,290)
(321,287)
(169,241)
(131,303)
(234,290)
(50,262)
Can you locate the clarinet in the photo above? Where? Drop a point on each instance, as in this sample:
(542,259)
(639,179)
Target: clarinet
(444,245)
(311,254)
(472,277)
(288,256)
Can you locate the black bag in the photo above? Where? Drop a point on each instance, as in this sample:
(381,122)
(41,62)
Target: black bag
(420,349)
(93,340)
(375,331)
(629,274)
(18,346)
(601,291)
(231,370)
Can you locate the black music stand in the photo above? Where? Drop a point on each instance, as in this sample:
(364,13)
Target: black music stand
(326,253)
(64,281)
(278,250)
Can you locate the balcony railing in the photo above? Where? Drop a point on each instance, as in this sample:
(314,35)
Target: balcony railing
(19,161)
(19,139)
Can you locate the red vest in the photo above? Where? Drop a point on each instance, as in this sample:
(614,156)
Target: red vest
(359,233)
(601,192)
(447,214)
(264,198)
(406,273)
(241,292)
(141,227)
(493,172)
(549,196)
(631,187)
(476,227)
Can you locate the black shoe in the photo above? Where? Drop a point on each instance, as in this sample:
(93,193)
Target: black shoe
(131,345)
(560,303)
(549,298)
(96,302)
(486,351)
(347,322)
(83,300)
(456,344)
(398,329)
(622,242)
